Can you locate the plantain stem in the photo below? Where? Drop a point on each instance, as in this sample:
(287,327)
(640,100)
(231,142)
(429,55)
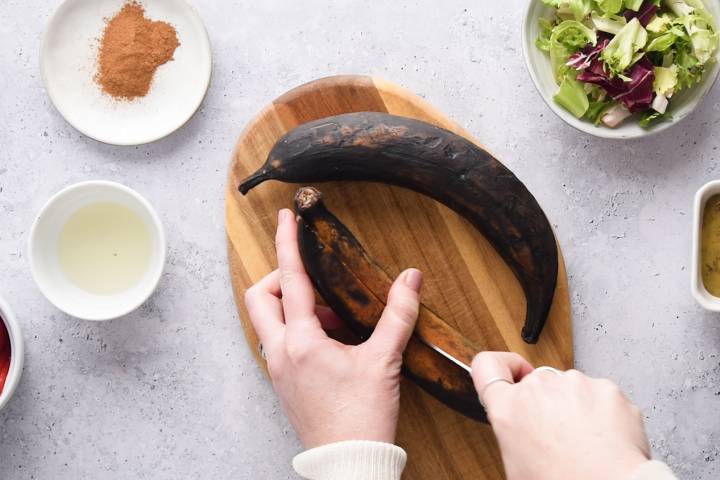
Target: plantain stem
(253,181)
(307,198)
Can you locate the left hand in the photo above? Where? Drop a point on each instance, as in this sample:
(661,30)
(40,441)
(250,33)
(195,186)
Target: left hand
(331,392)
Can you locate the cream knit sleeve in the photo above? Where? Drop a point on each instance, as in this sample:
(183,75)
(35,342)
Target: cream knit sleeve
(355,460)
(361,460)
(654,471)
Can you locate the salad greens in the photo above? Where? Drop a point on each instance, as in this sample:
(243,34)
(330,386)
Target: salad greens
(625,47)
(565,39)
(615,58)
(572,97)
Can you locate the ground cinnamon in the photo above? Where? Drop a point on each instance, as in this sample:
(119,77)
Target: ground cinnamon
(131,50)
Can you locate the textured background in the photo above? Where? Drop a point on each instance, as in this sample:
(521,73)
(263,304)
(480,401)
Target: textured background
(171,391)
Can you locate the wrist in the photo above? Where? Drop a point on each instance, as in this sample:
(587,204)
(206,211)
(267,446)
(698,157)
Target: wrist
(337,431)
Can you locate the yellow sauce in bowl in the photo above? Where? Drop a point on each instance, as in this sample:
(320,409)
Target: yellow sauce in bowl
(710,246)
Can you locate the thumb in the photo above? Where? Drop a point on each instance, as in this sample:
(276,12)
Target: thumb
(398,320)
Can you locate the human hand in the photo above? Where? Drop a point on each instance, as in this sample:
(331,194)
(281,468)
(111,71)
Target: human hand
(330,392)
(559,427)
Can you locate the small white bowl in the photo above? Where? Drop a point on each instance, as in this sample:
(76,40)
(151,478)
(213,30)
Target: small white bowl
(703,297)
(538,65)
(68,57)
(17,353)
(45,264)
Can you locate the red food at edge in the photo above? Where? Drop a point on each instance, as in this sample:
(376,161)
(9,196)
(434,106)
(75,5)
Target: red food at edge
(4,354)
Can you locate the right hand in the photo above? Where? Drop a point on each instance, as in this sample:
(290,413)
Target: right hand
(559,427)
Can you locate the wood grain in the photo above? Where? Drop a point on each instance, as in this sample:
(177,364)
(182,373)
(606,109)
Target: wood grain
(466,282)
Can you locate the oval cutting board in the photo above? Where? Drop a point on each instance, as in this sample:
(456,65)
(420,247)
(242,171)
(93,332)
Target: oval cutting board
(466,282)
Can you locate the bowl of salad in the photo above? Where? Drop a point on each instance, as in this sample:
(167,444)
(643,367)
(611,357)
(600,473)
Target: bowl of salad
(622,68)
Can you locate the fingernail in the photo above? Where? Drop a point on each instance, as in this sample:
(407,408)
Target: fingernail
(413,278)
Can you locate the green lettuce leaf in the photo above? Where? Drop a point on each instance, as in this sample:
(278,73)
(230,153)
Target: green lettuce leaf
(623,49)
(666,80)
(659,23)
(566,39)
(690,70)
(633,5)
(597,109)
(661,43)
(543,40)
(680,7)
(578,9)
(610,7)
(703,37)
(650,118)
(572,97)
(610,23)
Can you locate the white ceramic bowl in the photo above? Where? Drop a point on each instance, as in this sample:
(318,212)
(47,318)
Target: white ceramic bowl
(45,265)
(68,64)
(538,64)
(697,286)
(17,353)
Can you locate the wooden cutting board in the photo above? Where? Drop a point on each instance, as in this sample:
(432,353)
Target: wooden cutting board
(466,282)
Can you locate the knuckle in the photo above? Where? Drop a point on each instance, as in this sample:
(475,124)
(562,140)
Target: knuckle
(484,358)
(383,360)
(500,417)
(576,376)
(405,310)
(287,277)
(515,357)
(534,380)
(608,386)
(291,279)
(610,390)
(298,352)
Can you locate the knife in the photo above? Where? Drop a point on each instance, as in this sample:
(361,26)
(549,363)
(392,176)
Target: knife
(448,356)
(446,341)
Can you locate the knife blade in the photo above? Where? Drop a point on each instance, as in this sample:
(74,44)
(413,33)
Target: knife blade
(434,332)
(448,356)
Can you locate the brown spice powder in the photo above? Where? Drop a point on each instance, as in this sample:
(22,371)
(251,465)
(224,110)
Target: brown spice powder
(131,50)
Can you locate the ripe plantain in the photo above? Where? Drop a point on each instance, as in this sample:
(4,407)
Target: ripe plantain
(356,289)
(409,153)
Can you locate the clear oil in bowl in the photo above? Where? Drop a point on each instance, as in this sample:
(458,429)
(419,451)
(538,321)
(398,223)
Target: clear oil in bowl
(105,248)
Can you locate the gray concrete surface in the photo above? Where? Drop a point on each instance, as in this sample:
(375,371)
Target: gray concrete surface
(172,392)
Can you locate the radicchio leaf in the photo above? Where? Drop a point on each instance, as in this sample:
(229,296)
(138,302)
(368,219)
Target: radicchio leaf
(644,15)
(585,57)
(636,95)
